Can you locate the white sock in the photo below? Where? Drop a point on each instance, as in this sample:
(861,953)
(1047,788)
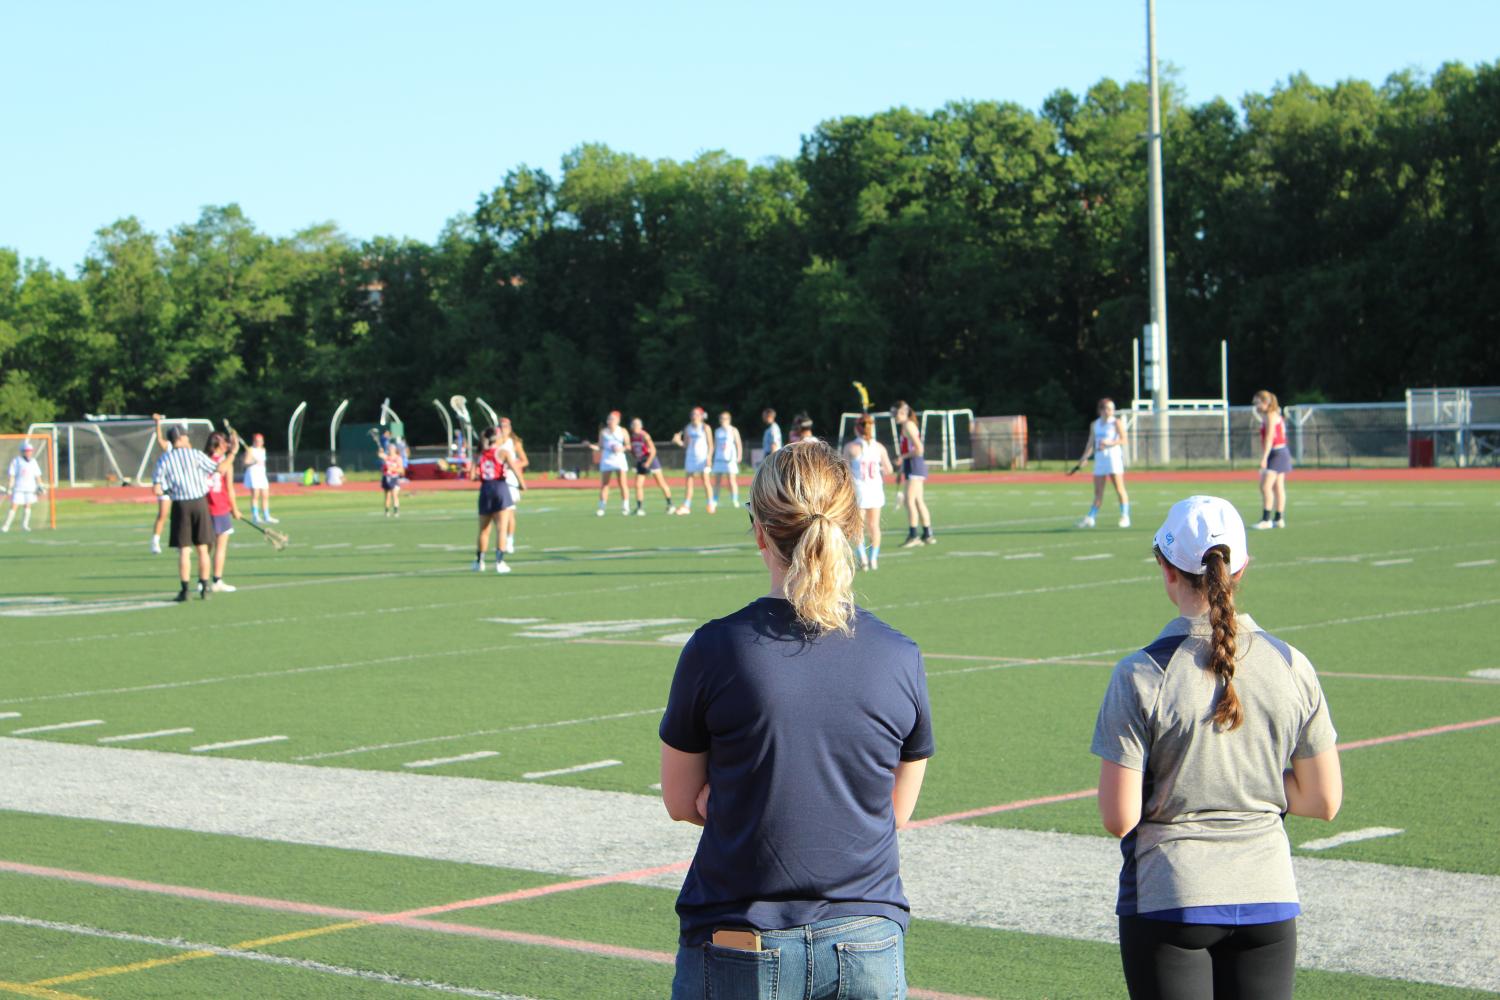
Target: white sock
(734,494)
(26,518)
(11,516)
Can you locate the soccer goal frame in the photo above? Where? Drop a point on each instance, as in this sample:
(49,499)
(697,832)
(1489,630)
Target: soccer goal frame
(947,422)
(46,444)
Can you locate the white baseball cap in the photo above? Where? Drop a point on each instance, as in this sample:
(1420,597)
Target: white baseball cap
(1197,524)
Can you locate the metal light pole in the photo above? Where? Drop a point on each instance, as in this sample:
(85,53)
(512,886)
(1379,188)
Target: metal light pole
(1161,395)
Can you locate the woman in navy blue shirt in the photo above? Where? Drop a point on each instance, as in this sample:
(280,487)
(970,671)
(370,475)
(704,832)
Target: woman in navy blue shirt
(797,734)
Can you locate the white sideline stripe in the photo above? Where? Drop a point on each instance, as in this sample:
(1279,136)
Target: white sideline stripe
(513,621)
(56,726)
(128,737)
(1488,673)
(1096,555)
(523,728)
(436,761)
(592,766)
(231,744)
(378,545)
(1390,562)
(1349,837)
(1025,555)
(10,715)
(178,944)
(1475,564)
(333,545)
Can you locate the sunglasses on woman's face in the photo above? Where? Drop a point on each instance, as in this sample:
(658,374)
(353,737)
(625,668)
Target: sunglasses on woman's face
(750,512)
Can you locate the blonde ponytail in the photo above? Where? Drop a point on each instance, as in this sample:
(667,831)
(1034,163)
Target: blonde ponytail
(803,500)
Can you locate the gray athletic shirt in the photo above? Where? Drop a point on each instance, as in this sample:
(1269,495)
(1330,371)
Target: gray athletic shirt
(1211,832)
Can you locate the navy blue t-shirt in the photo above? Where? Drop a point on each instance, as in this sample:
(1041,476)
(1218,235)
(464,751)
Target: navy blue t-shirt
(802,732)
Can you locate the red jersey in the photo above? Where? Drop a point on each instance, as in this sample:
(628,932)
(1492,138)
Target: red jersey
(1279,441)
(491,465)
(394,466)
(218,493)
(638,441)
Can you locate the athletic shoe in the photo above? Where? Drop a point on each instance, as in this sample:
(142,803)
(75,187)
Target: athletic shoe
(181,597)
(502,567)
(478,566)
(864,565)
(683,511)
(1281,523)
(874,563)
(625,511)
(713,508)
(203,591)
(1086,522)
(224,588)
(930,540)
(510,545)
(277,520)
(911,542)
(640,512)
(155,545)
(1261,526)
(1125,521)
(599,512)
(4,529)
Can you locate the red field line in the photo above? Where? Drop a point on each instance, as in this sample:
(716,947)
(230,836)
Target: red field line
(140,494)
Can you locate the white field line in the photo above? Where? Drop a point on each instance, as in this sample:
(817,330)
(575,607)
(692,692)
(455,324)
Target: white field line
(334,545)
(461,758)
(576,768)
(1024,555)
(1488,673)
(231,744)
(1475,564)
(522,728)
(56,726)
(1349,837)
(10,715)
(178,944)
(1093,556)
(1391,562)
(132,737)
(264,674)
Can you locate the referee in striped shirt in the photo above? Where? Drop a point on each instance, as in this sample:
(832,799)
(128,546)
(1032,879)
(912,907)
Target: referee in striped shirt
(182,473)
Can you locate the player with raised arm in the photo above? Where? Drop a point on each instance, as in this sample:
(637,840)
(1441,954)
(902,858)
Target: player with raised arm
(392,468)
(871,464)
(729,450)
(913,475)
(257,481)
(693,440)
(613,449)
(163,502)
(1106,442)
(494,499)
(222,508)
(1275,461)
(647,464)
(25,483)
(1208,738)
(513,450)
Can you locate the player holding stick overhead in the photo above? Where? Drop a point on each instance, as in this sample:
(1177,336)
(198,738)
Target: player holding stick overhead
(392,468)
(693,440)
(1106,442)
(513,450)
(612,449)
(729,450)
(913,474)
(871,464)
(1208,738)
(25,483)
(494,499)
(163,502)
(647,464)
(256,480)
(1275,461)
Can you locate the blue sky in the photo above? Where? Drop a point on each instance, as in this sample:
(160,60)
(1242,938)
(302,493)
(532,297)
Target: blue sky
(390,118)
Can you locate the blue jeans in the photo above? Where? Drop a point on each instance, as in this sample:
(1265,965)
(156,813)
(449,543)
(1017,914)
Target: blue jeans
(850,958)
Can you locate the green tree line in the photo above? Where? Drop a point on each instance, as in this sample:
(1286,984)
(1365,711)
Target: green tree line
(1344,239)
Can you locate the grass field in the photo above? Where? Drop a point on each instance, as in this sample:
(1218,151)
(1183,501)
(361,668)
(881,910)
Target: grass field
(374,773)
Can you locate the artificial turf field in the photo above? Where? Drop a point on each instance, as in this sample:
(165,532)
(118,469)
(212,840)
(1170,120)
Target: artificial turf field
(369,646)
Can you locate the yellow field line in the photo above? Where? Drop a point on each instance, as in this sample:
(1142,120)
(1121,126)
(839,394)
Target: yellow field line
(33,990)
(187,956)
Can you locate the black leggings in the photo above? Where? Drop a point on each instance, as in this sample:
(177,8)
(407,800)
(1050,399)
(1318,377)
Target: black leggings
(1171,961)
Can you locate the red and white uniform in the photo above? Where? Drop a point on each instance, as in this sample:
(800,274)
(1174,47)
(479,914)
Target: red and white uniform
(218,494)
(492,465)
(393,466)
(1279,440)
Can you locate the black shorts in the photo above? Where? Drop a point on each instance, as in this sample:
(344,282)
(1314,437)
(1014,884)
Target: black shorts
(389,483)
(1166,960)
(494,496)
(645,468)
(1280,460)
(191,524)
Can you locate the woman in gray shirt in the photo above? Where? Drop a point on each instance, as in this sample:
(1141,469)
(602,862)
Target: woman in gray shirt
(1208,737)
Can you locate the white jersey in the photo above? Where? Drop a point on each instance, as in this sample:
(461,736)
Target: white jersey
(867,459)
(614,445)
(508,449)
(1111,460)
(26,474)
(255,469)
(695,447)
(726,455)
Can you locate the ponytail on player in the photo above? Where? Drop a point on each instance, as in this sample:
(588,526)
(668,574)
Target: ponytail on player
(1267,398)
(1217,585)
(802,498)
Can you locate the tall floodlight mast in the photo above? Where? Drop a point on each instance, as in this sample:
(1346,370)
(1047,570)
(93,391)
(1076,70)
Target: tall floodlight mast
(1156,333)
